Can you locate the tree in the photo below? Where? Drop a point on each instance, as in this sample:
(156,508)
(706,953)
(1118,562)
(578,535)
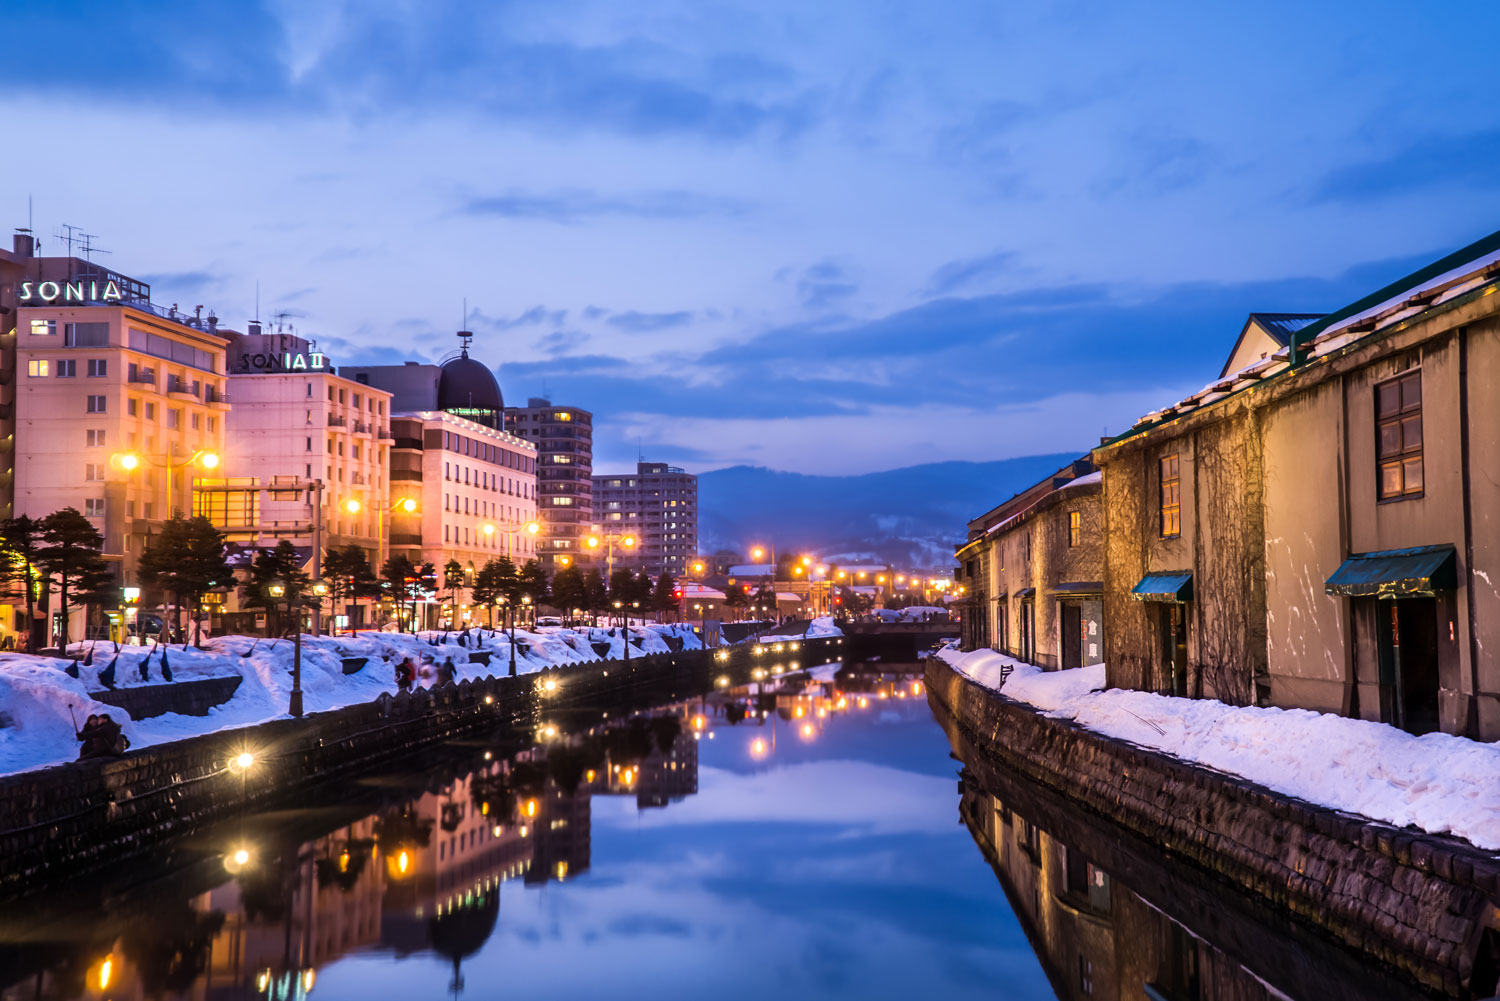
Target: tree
(642,590)
(534,582)
(187,560)
(72,556)
(453,582)
(664,598)
(400,579)
(282,565)
(595,594)
(568,592)
(349,577)
(735,597)
(507,580)
(20,565)
(622,587)
(486,587)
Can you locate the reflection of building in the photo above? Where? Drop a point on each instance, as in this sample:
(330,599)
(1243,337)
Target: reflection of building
(562,841)
(564,438)
(1032,572)
(658,504)
(664,777)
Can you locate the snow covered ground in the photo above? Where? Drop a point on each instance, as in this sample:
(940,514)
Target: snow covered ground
(1437,782)
(39,701)
(820,627)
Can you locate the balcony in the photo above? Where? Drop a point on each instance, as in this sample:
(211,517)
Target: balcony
(360,427)
(386,434)
(182,389)
(144,375)
(215,397)
(335,421)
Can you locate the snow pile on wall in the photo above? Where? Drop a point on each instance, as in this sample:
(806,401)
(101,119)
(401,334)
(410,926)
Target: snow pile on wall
(35,692)
(819,628)
(1439,783)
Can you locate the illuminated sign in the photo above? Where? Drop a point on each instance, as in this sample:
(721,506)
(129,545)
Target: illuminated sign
(79,291)
(283,361)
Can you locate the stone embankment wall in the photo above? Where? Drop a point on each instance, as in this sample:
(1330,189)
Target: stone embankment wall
(69,817)
(1426,908)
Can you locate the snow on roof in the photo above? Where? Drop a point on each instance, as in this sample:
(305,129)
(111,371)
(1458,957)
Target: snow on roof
(787,596)
(750,570)
(691,590)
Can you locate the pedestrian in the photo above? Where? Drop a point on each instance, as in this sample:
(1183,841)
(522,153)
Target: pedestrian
(405,673)
(447,672)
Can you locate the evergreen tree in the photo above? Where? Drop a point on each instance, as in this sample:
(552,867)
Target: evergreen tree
(186,560)
(282,565)
(664,598)
(534,582)
(350,578)
(595,594)
(486,587)
(642,590)
(72,555)
(20,566)
(622,587)
(399,578)
(735,597)
(568,591)
(453,583)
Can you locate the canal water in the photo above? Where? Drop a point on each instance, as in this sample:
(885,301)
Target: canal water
(819,842)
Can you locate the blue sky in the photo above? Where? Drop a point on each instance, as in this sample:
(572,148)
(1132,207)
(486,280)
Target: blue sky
(831,237)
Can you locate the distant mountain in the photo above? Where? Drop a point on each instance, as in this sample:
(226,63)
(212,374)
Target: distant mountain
(911,516)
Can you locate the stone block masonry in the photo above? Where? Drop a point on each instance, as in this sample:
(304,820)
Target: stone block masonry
(1425,908)
(63,820)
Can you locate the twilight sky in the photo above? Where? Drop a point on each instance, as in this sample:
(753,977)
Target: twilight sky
(823,237)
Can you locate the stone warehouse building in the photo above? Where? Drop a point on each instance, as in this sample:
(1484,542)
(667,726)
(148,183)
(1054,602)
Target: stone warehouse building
(1320,527)
(1031,573)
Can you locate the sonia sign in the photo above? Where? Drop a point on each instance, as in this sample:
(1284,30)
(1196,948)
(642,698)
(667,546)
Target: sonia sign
(280,361)
(71,291)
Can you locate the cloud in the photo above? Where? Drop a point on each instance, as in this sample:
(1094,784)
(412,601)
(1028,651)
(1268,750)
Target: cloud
(963,273)
(535,316)
(823,285)
(1463,160)
(183,281)
(640,323)
(561,342)
(1153,161)
(578,205)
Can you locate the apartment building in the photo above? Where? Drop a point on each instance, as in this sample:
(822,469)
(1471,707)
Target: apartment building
(300,435)
(658,505)
(476,487)
(118,409)
(564,437)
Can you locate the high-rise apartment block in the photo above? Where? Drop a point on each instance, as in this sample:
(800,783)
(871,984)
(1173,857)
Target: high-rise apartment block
(564,438)
(658,505)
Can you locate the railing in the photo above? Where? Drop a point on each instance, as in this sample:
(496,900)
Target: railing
(176,385)
(357,478)
(360,427)
(335,421)
(146,375)
(384,433)
(212,395)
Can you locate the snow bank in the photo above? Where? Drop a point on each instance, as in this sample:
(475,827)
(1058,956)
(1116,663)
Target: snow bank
(819,628)
(1439,783)
(36,728)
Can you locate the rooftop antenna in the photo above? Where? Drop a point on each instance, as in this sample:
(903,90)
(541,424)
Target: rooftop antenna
(88,245)
(464,337)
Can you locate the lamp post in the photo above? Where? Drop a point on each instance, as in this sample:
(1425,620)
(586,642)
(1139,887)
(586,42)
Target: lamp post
(280,591)
(757,552)
(608,540)
(129,462)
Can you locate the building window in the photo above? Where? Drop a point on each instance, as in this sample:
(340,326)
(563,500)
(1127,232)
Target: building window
(93,507)
(67,368)
(150,411)
(98,368)
(1398,416)
(1075,529)
(96,437)
(43,328)
(174,417)
(1171,497)
(93,471)
(130,406)
(37,368)
(1085,976)
(96,405)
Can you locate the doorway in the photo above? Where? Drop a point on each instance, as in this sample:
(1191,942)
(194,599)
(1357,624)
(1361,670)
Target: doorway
(1072,634)
(1408,640)
(1172,628)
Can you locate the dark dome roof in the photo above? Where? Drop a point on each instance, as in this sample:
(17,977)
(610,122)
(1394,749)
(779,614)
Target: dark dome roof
(468,388)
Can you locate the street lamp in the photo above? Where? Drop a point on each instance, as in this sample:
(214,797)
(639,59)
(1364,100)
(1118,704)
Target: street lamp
(608,541)
(278,591)
(129,462)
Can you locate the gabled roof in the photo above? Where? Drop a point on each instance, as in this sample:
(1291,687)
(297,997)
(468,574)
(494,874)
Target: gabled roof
(1278,326)
(1468,272)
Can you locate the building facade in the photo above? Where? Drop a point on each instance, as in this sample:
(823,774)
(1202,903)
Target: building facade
(658,505)
(564,438)
(300,436)
(1315,529)
(475,487)
(1031,573)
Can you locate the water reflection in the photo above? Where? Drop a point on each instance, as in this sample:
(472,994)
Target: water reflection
(821,849)
(1111,918)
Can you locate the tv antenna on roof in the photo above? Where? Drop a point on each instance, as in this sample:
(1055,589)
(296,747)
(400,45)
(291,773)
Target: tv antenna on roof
(464,337)
(89,249)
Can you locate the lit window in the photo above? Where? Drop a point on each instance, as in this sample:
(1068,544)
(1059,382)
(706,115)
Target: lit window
(1075,528)
(1171,498)
(1398,416)
(37,368)
(43,328)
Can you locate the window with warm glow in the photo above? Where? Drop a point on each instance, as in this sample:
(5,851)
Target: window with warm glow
(1398,417)
(1171,497)
(1075,528)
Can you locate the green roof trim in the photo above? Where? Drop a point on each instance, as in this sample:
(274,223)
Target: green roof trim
(1485,245)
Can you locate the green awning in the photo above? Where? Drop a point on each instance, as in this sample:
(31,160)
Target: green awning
(1165,587)
(1394,572)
